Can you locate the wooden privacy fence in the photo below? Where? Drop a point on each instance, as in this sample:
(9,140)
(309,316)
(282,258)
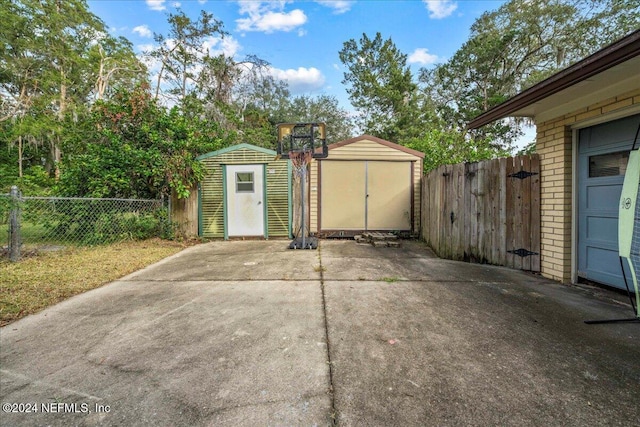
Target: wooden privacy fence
(486,212)
(183,213)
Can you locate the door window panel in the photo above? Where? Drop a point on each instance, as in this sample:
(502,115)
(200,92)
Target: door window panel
(610,164)
(244,182)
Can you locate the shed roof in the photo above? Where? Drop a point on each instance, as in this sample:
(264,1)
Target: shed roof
(231,148)
(609,72)
(379,141)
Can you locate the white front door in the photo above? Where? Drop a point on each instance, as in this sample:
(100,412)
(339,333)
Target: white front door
(245,200)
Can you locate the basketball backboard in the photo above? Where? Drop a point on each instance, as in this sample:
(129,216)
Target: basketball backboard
(302,137)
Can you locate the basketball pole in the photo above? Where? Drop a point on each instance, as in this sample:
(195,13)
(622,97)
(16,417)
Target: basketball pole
(303,220)
(299,143)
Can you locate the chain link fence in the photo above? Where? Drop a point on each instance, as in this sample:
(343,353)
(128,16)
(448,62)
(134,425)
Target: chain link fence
(45,223)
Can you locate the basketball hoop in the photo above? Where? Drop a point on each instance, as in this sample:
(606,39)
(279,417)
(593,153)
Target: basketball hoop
(301,142)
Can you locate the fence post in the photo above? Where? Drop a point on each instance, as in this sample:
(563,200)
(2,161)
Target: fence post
(14,225)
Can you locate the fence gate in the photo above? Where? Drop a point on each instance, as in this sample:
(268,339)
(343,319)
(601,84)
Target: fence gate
(485,212)
(523,213)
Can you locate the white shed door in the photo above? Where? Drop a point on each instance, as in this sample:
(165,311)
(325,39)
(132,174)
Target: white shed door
(245,200)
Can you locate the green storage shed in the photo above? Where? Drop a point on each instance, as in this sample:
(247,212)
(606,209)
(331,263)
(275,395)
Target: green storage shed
(246,193)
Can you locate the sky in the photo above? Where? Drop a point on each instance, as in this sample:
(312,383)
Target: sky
(301,39)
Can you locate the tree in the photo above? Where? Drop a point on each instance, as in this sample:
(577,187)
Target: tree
(30,176)
(446,147)
(181,53)
(115,65)
(49,69)
(260,90)
(324,108)
(137,149)
(65,31)
(380,87)
(516,46)
(241,96)
(17,66)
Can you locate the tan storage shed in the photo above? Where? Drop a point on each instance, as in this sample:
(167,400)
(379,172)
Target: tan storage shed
(365,184)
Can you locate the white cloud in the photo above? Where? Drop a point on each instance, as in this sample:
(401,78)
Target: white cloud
(156,4)
(268,17)
(422,56)
(176,4)
(440,8)
(300,80)
(217,46)
(147,47)
(338,6)
(202,1)
(143,31)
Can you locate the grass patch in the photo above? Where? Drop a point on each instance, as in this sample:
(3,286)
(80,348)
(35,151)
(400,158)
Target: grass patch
(319,268)
(389,279)
(29,232)
(45,279)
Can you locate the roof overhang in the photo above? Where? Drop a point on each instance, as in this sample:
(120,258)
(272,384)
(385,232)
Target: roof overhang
(379,141)
(607,73)
(231,148)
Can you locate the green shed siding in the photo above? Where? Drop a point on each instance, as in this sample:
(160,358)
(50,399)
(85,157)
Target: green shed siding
(212,189)
(278,198)
(212,200)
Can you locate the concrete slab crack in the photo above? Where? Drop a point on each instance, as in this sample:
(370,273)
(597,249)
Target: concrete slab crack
(334,412)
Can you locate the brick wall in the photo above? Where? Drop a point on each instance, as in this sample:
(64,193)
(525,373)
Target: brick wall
(554,144)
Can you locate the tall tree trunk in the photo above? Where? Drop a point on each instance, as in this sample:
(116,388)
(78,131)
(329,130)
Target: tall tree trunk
(183,89)
(55,148)
(159,81)
(100,82)
(56,156)
(20,156)
(63,94)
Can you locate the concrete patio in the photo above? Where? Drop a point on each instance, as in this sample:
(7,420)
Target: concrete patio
(251,333)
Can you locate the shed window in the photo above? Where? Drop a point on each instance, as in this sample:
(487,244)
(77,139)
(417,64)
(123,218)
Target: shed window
(610,164)
(244,182)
